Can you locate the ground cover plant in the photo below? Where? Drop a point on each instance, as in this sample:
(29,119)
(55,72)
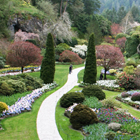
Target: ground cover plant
(24,125)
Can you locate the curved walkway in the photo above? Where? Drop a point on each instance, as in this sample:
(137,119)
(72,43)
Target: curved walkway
(46,125)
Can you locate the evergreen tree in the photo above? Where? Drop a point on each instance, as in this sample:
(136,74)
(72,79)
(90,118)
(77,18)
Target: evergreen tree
(90,66)
(48,63)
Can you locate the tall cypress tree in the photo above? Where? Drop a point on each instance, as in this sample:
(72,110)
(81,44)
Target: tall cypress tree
(48,63)
(90,66)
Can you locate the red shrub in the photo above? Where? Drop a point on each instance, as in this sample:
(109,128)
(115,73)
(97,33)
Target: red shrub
(69,56)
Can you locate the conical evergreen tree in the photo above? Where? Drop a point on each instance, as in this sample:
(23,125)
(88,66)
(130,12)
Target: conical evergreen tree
(48,63)
(90,66)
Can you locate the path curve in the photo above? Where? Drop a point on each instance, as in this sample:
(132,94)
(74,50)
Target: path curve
(46,125)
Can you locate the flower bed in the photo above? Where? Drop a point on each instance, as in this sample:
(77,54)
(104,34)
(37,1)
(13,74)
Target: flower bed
(25,103)
(128,100)
(105,84)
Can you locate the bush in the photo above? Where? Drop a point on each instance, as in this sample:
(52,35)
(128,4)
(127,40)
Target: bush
(126,81)
(110,135)
(131,61)
(125,94)
(81,116)
(135,96)
(111,103)
(137,79)
(6,89)
(94,90)
(69,98)
(17,85)
(3,106)
(129,69)
(69,56)
(2,62)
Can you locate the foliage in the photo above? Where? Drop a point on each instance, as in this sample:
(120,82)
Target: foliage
(121,43)
(110,135)
(81,116)
(2,62)
(115,29)
(135,96)
(3,106)
(110,103)
(131,62)
(61,47)
(69,56)
(69,98)
(94,90)
(48,63)
(137,79)
(109,57)
(120,35)
(129,69)
(92,102)
(126,81)
(22,54)
(108,39)
(90,71)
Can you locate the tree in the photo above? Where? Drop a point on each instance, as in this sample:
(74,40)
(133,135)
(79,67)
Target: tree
(121,43)
(48,63)
(90,66)
(109,57)
(115,29)
(22,53)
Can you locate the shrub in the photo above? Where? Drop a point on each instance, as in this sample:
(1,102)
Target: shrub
(131,61)
(3,106)
(137,79)
(92,102)
(73,97)
(110,135)
(94,90)
(17,85)
(135,96)
(6,89)
(69,56)
(2,62)
(111,103)
(125,94)
(129,69)
(126,81)
(81,116)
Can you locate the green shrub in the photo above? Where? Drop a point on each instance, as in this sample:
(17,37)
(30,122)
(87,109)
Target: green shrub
(94,90)
(129,69)
(17,85)
(82,116)
(32,41)
(3,106)
(135,96)
(111,103)
(69,98)
(110,135)
(6,89)
(92,102)
(131,61)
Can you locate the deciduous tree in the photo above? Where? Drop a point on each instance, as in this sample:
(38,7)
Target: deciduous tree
(121,43)
(109,57)
(115,29)
(22,53)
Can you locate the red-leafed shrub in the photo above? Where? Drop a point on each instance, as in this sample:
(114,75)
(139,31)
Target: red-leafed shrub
(115,29)
(121,43)
(108,39)
(69,56)
(135,96)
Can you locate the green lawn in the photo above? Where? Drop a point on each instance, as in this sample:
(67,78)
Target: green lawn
(23,126)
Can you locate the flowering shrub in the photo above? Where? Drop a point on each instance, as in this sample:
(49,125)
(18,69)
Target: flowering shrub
(69,56)
(135,96)
(125,94)
(129,69)
(126,81)
(80,50)
(25,103)
(112,71)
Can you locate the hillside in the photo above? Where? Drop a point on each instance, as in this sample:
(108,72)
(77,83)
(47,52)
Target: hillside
(109,4)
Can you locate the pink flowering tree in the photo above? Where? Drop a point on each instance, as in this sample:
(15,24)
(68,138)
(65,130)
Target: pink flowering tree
(23,36)
(115,29)
(109,57)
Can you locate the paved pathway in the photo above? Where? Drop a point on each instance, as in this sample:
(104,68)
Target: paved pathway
(46,125)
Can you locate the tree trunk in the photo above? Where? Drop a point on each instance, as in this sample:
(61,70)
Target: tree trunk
(22,69)
(105,74)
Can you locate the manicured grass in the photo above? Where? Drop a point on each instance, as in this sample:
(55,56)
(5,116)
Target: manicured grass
(23,126)
(99,68)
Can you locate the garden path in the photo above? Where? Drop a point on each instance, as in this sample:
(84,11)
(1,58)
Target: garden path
(46,125)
